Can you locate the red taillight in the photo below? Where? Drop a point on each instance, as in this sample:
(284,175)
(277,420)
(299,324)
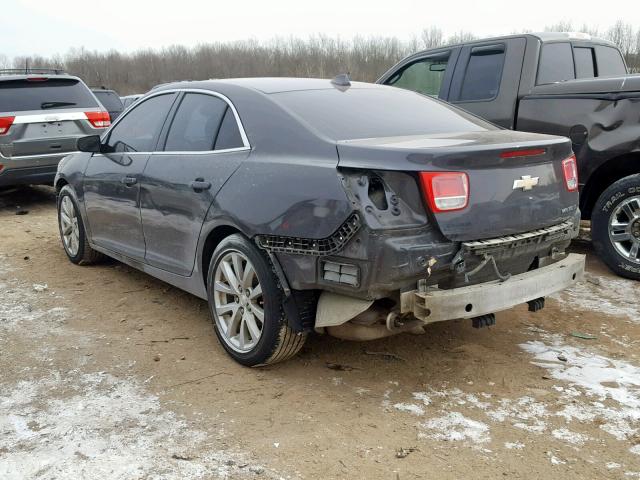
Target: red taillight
(532,152)
(37,79)
(445,191)
(570,170)
(99,119)
(5,124)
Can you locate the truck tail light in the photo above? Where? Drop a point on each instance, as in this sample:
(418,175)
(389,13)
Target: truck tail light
(99,119)
(445,191)
(570,169)
(5,124)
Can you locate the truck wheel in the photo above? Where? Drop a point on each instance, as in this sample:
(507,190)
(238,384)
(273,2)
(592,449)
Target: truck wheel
(246,305)
(72,232)
(615,227)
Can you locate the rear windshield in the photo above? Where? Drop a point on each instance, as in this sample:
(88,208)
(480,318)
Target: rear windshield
(51,94)
(377,112)
(109,100)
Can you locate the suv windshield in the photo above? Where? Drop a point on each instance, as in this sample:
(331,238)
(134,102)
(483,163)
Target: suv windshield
(52,93)
(377,112)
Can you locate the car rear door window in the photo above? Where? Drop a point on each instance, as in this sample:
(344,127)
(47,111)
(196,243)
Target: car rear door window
(423,76)
(196,123)
(44,94)
(483,73)
(584,59)
(556,63)
(609,61)
(109,100)
(138,129)
(229,134)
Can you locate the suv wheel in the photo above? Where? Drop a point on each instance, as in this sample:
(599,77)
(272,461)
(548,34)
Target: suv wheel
(72,232)
(616,227)
(246,305)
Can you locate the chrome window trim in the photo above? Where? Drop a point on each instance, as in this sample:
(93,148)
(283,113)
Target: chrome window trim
(243,134)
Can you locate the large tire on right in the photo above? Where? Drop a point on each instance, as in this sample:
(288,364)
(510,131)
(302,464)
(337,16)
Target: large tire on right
(245,300)
(615,227)
(72,231)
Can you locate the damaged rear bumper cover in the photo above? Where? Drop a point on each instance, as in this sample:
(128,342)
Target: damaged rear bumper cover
(435,305)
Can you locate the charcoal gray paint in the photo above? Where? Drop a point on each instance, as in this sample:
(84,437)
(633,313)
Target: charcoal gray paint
(294,182)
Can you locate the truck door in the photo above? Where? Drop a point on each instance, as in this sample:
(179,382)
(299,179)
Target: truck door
(428,73)
(486,79)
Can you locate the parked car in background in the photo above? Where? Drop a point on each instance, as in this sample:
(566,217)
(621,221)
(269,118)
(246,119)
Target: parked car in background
(110,100)
(572,85)
(130,99)
(354,209)
(42,114)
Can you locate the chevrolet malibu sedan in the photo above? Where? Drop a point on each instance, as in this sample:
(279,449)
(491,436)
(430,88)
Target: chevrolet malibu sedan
(300,205)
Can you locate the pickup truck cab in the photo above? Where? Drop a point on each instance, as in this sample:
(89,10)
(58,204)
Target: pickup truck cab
(568,84)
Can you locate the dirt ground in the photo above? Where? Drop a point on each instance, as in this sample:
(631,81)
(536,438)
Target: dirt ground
(108,373)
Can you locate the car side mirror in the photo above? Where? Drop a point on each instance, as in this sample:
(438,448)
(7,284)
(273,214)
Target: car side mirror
(90,144)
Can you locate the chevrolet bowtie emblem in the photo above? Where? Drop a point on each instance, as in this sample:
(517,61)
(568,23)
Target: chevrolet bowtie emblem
(527,182)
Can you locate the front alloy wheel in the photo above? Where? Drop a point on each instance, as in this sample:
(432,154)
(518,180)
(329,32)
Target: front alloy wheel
(72,232)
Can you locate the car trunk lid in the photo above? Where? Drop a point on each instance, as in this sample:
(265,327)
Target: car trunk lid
(509,193)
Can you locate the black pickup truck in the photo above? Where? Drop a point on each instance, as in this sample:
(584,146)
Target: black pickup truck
(573,85)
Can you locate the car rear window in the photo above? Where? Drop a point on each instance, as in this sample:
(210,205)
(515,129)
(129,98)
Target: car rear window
(51,94)
(377,112)
(109,100)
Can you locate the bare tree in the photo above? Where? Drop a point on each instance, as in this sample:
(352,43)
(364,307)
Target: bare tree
(432,38)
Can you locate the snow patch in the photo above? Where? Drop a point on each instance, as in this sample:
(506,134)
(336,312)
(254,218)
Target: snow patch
(455,427)
(410,408)
(514,445)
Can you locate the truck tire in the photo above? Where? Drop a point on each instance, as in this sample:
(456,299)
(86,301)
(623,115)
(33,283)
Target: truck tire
(72,232)
(615,227)
(245,301)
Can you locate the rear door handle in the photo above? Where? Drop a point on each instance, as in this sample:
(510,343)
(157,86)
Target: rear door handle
(199,185)
(129,181)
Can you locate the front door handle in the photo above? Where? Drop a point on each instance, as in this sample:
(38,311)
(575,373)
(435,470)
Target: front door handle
(199,185)
(129,181)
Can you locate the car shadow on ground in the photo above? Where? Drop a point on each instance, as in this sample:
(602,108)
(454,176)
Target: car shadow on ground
(25,198)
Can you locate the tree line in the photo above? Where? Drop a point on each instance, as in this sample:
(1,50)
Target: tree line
(317,56)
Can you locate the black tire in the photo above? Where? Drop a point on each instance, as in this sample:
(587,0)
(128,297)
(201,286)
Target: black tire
(613,197)
(277,341)
(85,255)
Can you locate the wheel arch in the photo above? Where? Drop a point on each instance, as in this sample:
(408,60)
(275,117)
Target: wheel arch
(213,239)
(604,176)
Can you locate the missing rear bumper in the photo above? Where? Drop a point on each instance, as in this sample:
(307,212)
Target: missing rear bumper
(435,305)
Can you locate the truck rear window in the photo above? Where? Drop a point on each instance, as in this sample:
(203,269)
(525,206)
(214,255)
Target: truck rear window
(53,93)
(556,63)
(609,61)
(377,112)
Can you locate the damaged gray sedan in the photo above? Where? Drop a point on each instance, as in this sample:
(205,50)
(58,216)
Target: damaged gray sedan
(300,205)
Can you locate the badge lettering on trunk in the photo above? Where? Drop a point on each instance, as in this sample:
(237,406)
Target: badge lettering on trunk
(527,182)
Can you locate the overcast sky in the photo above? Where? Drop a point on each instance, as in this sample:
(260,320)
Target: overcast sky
(48,27)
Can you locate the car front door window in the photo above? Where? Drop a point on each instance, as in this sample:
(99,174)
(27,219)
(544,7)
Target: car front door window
(423,76)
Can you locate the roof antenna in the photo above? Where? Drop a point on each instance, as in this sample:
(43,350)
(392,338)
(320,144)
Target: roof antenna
(342,80)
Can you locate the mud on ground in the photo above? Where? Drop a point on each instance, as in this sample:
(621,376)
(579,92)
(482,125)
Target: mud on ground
(108,373)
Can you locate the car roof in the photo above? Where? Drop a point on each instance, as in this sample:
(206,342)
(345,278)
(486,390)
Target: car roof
(267,85)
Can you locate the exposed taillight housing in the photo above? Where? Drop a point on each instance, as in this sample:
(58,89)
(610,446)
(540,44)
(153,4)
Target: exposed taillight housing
(5,124)
(445,191)
(570,170)
(99,119)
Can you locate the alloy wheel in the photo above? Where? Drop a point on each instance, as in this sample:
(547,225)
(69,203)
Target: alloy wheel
(238,302)
(69,226)
(624,229)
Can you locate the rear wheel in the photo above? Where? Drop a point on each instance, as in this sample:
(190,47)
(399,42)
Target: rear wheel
(72,232)
(246,305)
(616,227)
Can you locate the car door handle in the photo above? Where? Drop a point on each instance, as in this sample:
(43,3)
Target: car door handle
(129,181)
(199,185)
